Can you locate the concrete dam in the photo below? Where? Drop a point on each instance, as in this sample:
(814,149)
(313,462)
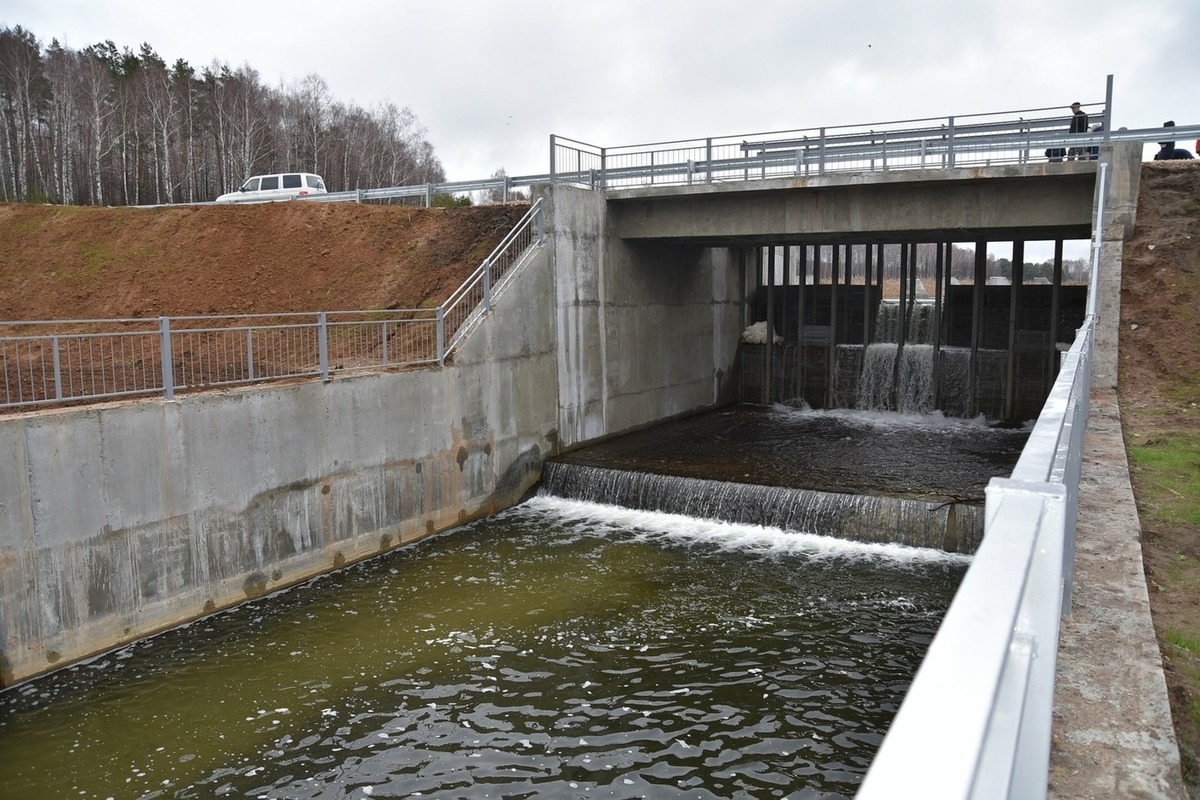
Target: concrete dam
(126,519)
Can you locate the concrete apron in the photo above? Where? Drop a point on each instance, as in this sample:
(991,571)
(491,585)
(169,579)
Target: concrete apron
(1112,734)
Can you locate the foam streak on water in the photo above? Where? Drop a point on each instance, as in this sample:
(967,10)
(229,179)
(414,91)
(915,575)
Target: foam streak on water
(652,525)
(561,649)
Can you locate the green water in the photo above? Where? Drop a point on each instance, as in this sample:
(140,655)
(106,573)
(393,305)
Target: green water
(560,649)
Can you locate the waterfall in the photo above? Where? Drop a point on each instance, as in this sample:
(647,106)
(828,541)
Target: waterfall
(906,387)
(875,380)
(918,328)
(956,527)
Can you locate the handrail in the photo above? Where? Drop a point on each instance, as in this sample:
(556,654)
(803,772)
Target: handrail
(908,134)
(599,167)
(90,359)
(976,721)
(492,276)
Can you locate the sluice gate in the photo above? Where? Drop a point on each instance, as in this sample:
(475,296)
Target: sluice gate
(910,327)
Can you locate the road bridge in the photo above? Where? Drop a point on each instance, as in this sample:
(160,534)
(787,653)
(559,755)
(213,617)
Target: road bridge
(978,721)
(1013,202)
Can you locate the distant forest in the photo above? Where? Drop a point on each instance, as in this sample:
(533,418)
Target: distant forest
(108,126)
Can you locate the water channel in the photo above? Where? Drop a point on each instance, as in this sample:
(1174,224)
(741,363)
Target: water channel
(561,649)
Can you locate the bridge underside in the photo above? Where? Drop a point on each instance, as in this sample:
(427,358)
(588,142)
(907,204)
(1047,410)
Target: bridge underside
(881,293)
(986,204)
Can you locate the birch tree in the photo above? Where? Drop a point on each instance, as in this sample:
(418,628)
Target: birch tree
(24,98)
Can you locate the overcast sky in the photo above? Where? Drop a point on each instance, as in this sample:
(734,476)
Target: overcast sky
(492,80)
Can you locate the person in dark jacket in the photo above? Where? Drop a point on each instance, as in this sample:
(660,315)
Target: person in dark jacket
(1079,124)
(1171,153)
(1168,145)
(1168,151)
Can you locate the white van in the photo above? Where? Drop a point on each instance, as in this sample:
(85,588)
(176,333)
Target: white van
(280,186)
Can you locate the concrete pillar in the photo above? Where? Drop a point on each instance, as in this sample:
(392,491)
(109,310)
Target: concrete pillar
(1124,160)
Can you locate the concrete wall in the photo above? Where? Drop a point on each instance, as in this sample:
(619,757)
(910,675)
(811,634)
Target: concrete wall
(647,331)
(1122,181)
(1029,201)
(123,519)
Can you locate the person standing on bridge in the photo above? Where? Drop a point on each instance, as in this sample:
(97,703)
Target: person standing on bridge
(1079,124)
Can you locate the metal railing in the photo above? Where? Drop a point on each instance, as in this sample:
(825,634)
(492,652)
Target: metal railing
(916,144)
(472,301)
(941,142)
(44,362)
(976,722)
(954,142)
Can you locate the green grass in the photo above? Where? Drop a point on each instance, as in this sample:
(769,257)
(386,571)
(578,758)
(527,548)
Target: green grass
(1168,471)
(1182,390)
(1191,646)
(1184,641)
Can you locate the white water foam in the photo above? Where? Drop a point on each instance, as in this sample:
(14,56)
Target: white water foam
(894,420)
(598,518)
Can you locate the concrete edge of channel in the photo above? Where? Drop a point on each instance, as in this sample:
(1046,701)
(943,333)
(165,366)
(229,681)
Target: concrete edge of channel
(1112,729)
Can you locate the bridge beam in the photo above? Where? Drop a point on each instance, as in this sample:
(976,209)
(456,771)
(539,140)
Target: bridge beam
(1016,202)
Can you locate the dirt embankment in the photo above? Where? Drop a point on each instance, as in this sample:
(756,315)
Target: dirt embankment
(1159,391)
(101,263)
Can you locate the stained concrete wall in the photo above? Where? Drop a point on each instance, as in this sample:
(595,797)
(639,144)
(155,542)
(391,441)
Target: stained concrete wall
(647,331)
(1119,195)
(123,519)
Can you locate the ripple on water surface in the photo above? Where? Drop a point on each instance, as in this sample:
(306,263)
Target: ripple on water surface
(561,649)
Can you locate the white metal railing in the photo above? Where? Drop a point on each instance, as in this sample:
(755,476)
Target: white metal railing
(43,362)
(976,721)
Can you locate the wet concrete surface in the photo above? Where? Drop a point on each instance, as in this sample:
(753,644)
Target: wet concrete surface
(1112,732)
(907,456)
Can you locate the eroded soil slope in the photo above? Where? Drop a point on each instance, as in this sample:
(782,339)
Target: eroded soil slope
(1159,391)
(100,263)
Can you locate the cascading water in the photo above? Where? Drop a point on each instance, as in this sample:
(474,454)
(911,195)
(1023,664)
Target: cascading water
(907,387)
(918,328)
(942,525)
(916,480)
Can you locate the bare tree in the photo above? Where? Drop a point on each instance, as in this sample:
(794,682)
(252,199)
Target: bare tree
(107,124)
(24,97)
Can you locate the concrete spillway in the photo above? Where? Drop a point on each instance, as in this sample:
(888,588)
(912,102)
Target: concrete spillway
(869,476)
(951,526)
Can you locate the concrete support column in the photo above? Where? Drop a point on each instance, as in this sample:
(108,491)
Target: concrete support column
(1120,189)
